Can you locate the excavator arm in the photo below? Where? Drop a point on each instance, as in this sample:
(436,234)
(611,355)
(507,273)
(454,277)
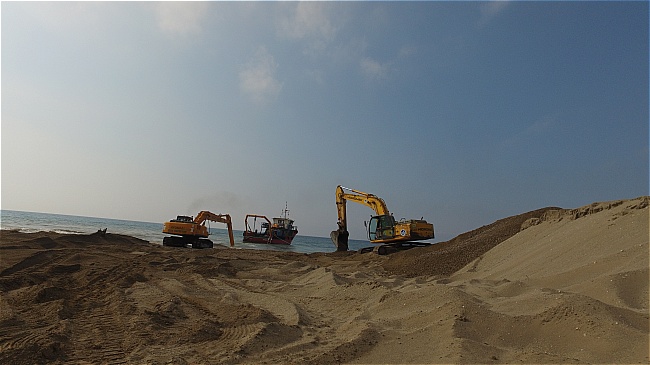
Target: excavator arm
(204,215)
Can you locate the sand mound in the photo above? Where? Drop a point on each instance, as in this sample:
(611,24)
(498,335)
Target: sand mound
(549,286)
(447,257)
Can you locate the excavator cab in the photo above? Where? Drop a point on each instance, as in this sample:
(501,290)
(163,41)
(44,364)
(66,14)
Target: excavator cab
(183,219)
(381,227)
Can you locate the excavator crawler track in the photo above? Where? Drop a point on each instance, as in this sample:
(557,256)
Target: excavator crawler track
(203,243)
(184,242)
(174,241)
(390,248)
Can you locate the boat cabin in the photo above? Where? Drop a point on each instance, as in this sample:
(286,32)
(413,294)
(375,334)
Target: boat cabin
(285,223)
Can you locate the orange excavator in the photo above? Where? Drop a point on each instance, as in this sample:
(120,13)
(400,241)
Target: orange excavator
(192,231)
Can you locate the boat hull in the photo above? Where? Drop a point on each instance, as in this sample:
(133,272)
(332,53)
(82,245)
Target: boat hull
(251,237)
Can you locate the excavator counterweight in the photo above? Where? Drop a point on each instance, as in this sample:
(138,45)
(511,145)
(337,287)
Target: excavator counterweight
(382,229)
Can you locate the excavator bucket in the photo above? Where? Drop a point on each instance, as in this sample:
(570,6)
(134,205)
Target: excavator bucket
(340,239)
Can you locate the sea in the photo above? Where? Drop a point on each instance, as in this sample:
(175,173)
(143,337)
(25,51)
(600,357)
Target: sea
(69,224)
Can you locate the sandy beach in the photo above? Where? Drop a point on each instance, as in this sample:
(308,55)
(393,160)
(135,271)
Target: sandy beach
(548,286)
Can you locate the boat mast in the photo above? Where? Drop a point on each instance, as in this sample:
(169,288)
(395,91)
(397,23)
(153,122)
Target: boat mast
(285,210)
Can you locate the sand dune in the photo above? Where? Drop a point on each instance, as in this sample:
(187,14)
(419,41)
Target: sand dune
(549,286)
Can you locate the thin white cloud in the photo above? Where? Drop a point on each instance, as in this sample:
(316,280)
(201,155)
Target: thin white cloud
(317,75)
(373,69)
(81,18)
(311,22)
(407,51)
(310,19)
(542,125)
(180,18)
(490,9)
(538,128)
(258,79)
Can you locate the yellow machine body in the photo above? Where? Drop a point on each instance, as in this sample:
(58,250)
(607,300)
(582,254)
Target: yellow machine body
(382,228)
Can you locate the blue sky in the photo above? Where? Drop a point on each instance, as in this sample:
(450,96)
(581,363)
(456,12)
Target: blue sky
(459,112)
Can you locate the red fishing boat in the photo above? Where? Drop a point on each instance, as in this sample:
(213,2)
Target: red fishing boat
(281,231)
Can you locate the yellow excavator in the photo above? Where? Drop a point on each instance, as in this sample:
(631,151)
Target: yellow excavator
(192,231)
(382,229)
